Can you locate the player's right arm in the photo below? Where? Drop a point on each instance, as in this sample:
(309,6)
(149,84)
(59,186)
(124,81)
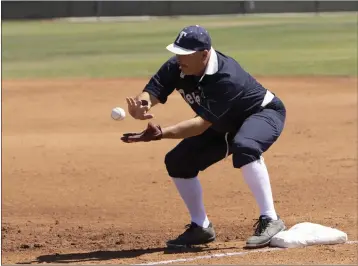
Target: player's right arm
(147,99)
(157,90)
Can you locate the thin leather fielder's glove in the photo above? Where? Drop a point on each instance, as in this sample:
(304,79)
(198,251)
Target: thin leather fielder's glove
(152,132)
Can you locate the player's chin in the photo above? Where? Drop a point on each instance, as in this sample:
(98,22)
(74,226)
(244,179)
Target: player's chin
(186,71)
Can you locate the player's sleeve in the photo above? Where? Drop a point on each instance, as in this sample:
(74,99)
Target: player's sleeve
(162,83)
(217,101)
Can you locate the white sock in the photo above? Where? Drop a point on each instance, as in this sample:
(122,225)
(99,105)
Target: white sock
(258,180)
(191,192)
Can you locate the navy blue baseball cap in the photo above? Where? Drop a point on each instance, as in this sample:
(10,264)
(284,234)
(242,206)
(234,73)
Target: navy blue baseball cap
(190,40)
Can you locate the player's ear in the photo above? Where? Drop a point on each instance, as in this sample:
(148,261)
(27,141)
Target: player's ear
(205,54)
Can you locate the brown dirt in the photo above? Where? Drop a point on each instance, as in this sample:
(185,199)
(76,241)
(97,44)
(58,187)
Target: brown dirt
(73,192)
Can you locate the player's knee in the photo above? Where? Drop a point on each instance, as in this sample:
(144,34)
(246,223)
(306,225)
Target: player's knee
(177,166)
(170,161)
(245,151)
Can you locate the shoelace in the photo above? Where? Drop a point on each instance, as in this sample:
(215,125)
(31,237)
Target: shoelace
(261,226)
(189,227)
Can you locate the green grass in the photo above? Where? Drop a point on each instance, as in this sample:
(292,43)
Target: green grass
(264,45)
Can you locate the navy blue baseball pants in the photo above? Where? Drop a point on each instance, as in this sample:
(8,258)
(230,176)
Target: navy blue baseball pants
(255,136)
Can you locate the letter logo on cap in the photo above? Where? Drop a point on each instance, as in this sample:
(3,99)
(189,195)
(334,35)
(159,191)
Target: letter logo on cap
(181,35)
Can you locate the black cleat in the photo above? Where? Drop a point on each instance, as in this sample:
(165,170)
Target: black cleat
(193,235)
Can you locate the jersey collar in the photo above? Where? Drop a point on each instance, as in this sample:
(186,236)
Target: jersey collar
(212,66)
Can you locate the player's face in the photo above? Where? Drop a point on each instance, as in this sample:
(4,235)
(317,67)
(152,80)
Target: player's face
(193,64)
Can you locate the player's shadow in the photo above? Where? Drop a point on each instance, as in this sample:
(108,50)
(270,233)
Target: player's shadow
(109,255)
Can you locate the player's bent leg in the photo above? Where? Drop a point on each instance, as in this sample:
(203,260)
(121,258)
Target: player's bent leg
(178,161)
(196,154)
(256,136)
(183,164)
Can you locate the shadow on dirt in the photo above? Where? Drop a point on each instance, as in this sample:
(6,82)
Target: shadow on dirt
(109,255)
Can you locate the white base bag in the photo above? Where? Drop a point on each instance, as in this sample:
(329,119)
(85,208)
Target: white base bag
(308,234)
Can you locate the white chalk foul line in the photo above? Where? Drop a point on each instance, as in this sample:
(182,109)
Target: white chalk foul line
(220,255)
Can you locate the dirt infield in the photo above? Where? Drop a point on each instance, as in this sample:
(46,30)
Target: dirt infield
(74,193)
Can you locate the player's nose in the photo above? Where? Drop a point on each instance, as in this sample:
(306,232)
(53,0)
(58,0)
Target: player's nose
(181,63)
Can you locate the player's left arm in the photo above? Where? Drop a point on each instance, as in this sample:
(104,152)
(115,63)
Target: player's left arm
(185,129)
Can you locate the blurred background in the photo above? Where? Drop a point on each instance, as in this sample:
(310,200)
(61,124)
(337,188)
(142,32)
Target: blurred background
(128,38)
(55,9)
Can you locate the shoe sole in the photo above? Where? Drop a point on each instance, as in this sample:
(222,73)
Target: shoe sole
(262,245)
(178,246)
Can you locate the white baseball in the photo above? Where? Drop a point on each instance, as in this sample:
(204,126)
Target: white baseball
(118,113)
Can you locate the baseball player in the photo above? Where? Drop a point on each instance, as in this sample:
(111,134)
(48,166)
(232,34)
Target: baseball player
(235,115)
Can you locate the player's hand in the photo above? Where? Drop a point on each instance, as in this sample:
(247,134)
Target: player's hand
(152,132)
(138,109)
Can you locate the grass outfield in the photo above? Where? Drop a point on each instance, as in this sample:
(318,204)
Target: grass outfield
(265,45)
